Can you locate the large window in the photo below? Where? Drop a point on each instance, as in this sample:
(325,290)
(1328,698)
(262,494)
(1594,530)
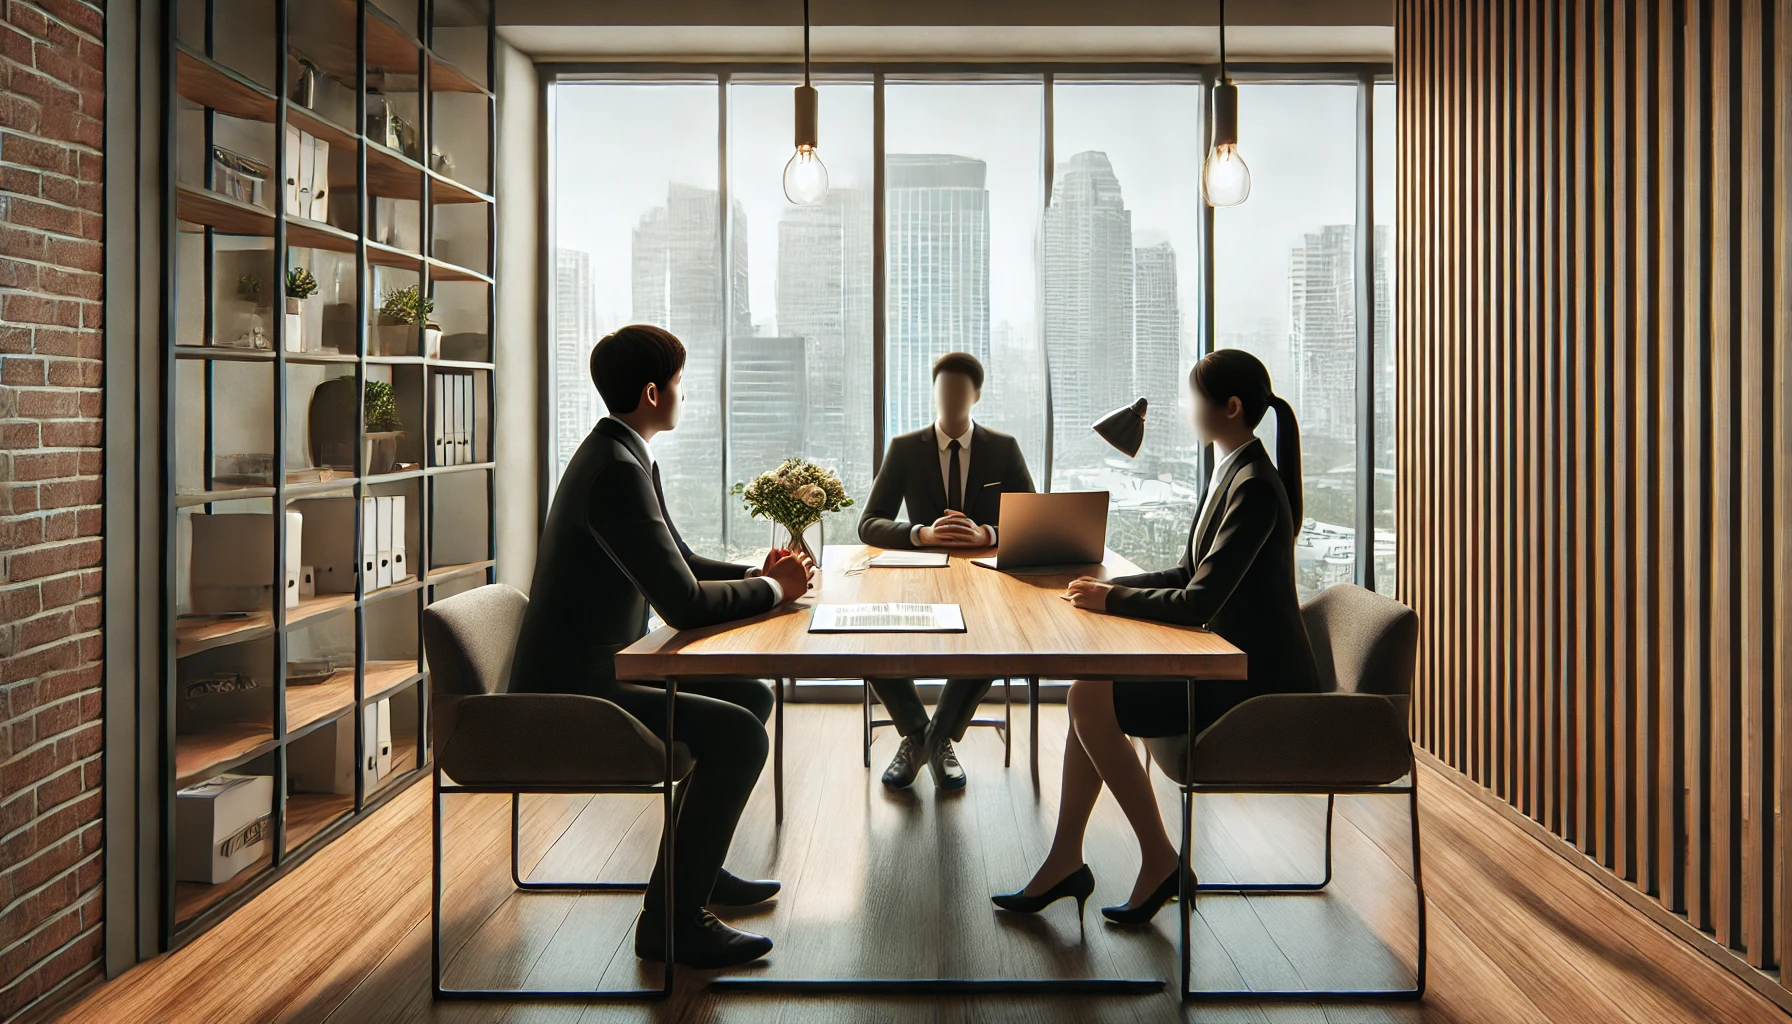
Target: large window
(1051,225)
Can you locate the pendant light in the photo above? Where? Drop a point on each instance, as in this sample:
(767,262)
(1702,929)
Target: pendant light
(1225,180)
(805,179)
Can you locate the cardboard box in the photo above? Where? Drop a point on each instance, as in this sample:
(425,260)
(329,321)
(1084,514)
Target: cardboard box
(231,564)
(221,826)
(324,761)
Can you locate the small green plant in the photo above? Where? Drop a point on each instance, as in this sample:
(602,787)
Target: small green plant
(249,287)
(382,408)
(407,305)
(300,284)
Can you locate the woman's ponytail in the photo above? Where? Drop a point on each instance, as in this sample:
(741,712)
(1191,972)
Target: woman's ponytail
(1288,455)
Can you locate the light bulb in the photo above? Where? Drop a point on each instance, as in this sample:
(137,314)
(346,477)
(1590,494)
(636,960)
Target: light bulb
(1225,180)
(805,179)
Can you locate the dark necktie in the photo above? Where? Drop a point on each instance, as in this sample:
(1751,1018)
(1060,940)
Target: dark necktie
(954,487)
(659,492)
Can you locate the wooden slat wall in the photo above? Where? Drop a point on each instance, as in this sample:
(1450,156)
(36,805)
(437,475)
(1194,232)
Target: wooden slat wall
(1595,429)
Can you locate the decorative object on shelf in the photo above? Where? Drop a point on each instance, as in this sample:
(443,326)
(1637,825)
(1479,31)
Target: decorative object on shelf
(216,683)
(794,497)
(302,319)
(383,428)
(404,312)
(805,179)
(307,175)
(432,339)
(440,162)
(1225,179)
(221,826)
(303,75)
(386,127)
(332,425)
(254,334)
(243,469)
(309,671)
(240,177)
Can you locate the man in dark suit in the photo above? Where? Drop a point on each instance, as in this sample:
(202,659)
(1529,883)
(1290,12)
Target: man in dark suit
(951,477)
(608,551)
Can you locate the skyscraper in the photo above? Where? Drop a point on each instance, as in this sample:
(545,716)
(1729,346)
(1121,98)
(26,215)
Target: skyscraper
(1088,287)
(767,389)
(1322,330)
(679,284)
(1157,350)
(575,331)
(824,298)
(936,218)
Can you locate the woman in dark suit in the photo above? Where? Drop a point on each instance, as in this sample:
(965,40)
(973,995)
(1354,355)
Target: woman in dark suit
(1237,579)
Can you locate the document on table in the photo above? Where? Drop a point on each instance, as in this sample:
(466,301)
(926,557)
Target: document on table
(886,618)
(909,560)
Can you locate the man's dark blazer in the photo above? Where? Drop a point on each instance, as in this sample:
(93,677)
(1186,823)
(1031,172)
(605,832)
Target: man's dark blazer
(1240,584)
(910,475)
(608,551)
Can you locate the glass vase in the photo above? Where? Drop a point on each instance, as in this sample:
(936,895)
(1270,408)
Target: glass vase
(808,540)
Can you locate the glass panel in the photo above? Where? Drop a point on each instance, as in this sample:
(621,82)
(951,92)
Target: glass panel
(1284,289)
(1121,272)
(637,230)
(963,185)
(1386,542)
(799,374)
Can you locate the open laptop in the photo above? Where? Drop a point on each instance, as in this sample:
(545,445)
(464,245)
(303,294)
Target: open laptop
(1060,532)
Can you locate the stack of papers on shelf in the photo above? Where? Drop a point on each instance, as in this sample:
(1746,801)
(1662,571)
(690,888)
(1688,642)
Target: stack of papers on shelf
(886,618)
(909,560)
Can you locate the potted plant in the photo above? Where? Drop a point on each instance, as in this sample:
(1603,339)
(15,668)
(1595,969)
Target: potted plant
(304,328)
(794,497)
(384,428)
(404,315)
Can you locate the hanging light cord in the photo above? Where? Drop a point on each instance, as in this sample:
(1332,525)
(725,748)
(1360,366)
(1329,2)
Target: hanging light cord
(806,40)
(1222,37)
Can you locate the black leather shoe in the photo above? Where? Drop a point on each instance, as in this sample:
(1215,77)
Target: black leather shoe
(1146,910)
(942,760)
(1079,884)
(703,942)
(732,891)
(904,766)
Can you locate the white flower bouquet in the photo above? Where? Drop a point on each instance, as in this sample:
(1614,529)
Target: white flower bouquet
(795,496)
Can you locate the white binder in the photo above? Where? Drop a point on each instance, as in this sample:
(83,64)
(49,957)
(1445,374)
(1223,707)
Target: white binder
(370,744)
(297,202)
(439,423)
(466,435)
(383,542)
(317,156)
(399,570)
(369,541)
(383,738)
(457,419)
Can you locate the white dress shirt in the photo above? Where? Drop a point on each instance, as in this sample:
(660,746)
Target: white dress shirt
(753,572)
(964,474)
(1213,490)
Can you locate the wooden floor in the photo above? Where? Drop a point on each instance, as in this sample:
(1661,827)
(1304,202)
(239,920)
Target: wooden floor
(897,885)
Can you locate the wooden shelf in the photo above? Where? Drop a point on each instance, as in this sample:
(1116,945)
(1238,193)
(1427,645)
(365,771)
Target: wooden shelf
(445,77)
(392,175)
(443,189)
(308,814)
(459,364)
(321,357)
(443,574)
(392,256)
(384,678)
(224,353)
(194,898)
(191,498)
(191,638)
(463,468)
(201,755)
(222,213)
(302,233)
(209,84)
(307,120)
(404,586)
(319,606)
(318,701)
(449,272)
(311,488)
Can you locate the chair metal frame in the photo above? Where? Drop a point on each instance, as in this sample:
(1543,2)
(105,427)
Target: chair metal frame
(666,788)
(1186,908)
(1003,725)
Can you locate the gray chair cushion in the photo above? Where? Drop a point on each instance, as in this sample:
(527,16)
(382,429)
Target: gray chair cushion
(1296,739)
(471,637)
(554,739)
(1362,642)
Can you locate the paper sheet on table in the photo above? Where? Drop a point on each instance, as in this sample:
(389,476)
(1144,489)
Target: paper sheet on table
(886,618)
(909,560)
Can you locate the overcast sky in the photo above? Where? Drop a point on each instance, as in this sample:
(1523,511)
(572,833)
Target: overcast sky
(618,145)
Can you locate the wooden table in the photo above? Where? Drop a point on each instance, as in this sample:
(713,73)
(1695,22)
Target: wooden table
(1015,625)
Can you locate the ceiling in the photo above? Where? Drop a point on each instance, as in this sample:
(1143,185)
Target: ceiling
(949,30)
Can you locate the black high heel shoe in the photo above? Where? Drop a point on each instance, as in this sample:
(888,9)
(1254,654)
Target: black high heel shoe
(1079,883)
(1145,911)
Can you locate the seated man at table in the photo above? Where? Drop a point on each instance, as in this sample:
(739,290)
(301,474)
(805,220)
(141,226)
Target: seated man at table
(950,475)
(609,550)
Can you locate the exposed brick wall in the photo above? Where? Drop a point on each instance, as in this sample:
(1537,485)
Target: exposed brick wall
(51,90)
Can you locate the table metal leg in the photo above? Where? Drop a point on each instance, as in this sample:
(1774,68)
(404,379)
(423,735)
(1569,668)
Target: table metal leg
(1033,727)
(778,752)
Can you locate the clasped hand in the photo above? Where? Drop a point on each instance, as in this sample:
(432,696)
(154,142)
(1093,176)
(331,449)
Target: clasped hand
(792,569)
(1088,592)
(954,530)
